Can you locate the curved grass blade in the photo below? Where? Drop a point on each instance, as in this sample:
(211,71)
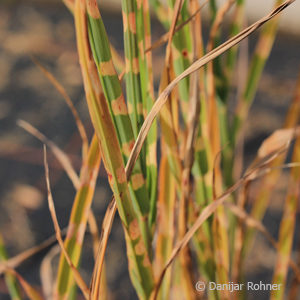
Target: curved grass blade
(79,215)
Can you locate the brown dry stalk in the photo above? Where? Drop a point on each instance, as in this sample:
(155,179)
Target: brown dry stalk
(82,285)
(64,94)
(105,231)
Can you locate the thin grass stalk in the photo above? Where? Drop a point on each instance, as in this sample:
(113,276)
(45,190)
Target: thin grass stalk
(96,286)
(214,95)
(10,279)
(140,268)
(201,173)
(182,52)
(287,227)
(238,233)
(262,52)
(132,13)
(93,227)
(79,216)
(219,224)
(168,115)
(235,27)
(221,80)
(221,246)
(259,58)
(169,122)
(295,283)
(168,118)
(181,46)
(147,85)
(166,224)
(186,187)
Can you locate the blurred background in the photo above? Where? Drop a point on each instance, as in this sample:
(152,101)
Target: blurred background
(44,29)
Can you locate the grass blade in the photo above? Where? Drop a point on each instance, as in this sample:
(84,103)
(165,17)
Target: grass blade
(10,279)
(79,216)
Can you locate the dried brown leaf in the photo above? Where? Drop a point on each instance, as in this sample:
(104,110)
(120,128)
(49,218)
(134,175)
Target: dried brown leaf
(279,138)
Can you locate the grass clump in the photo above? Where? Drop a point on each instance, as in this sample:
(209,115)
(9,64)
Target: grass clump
(183,214)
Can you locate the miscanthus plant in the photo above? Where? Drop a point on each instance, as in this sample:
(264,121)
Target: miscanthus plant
(183,213)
